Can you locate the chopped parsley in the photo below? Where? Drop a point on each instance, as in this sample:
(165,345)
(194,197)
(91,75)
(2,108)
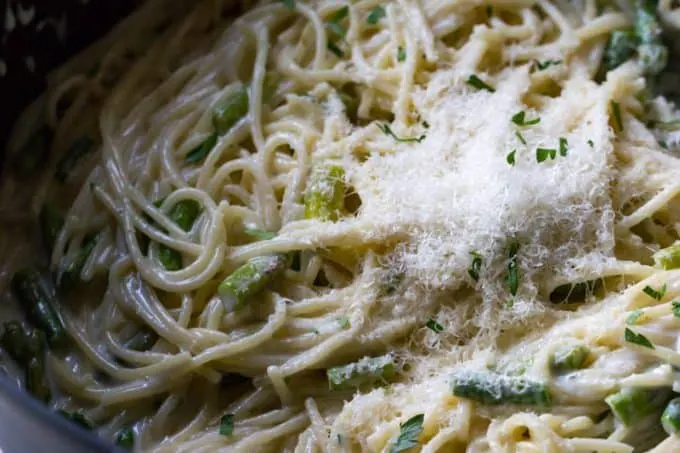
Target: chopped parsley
(344,322)
(542,154)
(336,30)
(676,308)
(520,120)
(542,65)
(510,158)
(375,15)
(77,417)
(408,436)
(202,150)
(476,265)
(401,54)
(126,437)
(564,146)
(520,137)
(227,425)
(634,317)
(654,294)
(290,4)
(591,143)
(637,338)
(509,303)
(513,275)
(616,113)
(388,131)
(434,326)
(478,83)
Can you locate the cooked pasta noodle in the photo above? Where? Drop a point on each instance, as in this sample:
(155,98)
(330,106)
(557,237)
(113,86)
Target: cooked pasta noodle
(278,189)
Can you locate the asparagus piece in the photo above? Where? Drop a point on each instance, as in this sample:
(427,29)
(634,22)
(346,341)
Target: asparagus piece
(36,380)
(184,214)
(671,417)
(651,51)
(143,340)
(493,388)
(201,151)
(77,417)
(78,149)
(51,223)
(620,48)
(126,437)
(367,371)
(231,110)
(70,269)
(14,341)
(570,358)
(668,258)
(34,152)
(631,405)
(325,195)
(38,301)
(245,282)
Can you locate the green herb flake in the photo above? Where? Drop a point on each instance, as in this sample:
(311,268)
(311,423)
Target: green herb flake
(227,425)
(543,65)
(388,131)
(510,158)
(564,146)
(478,83)
(434,326)
(616,113)
(637,338)
(591,143)
(542,154)
(676,308)
(519,119)
(475,266)
(334,23)
(401,54)
(376,14)
(653,293)
(408,436)
(513,274)
(344,322)
(290,4)
(509,303)
(520,137)
(632,318)
(202,150)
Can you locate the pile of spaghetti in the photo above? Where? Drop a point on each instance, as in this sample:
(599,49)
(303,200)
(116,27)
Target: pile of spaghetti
(314,225)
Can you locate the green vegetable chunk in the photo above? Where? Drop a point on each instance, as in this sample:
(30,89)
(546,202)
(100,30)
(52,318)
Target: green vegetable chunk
(184,214)
(33,154)
(78,418)
(671,417)
(632,405)
(36,380)
(51,223)
(126,437)
(230,111)
(570,358)
(408,434)
(620,48)
(142,341)
(201,151)
(70,269)
(367,371)
(668,258)
(325,194)
(237,289)
(37,300)
(68,162)
(488,387)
